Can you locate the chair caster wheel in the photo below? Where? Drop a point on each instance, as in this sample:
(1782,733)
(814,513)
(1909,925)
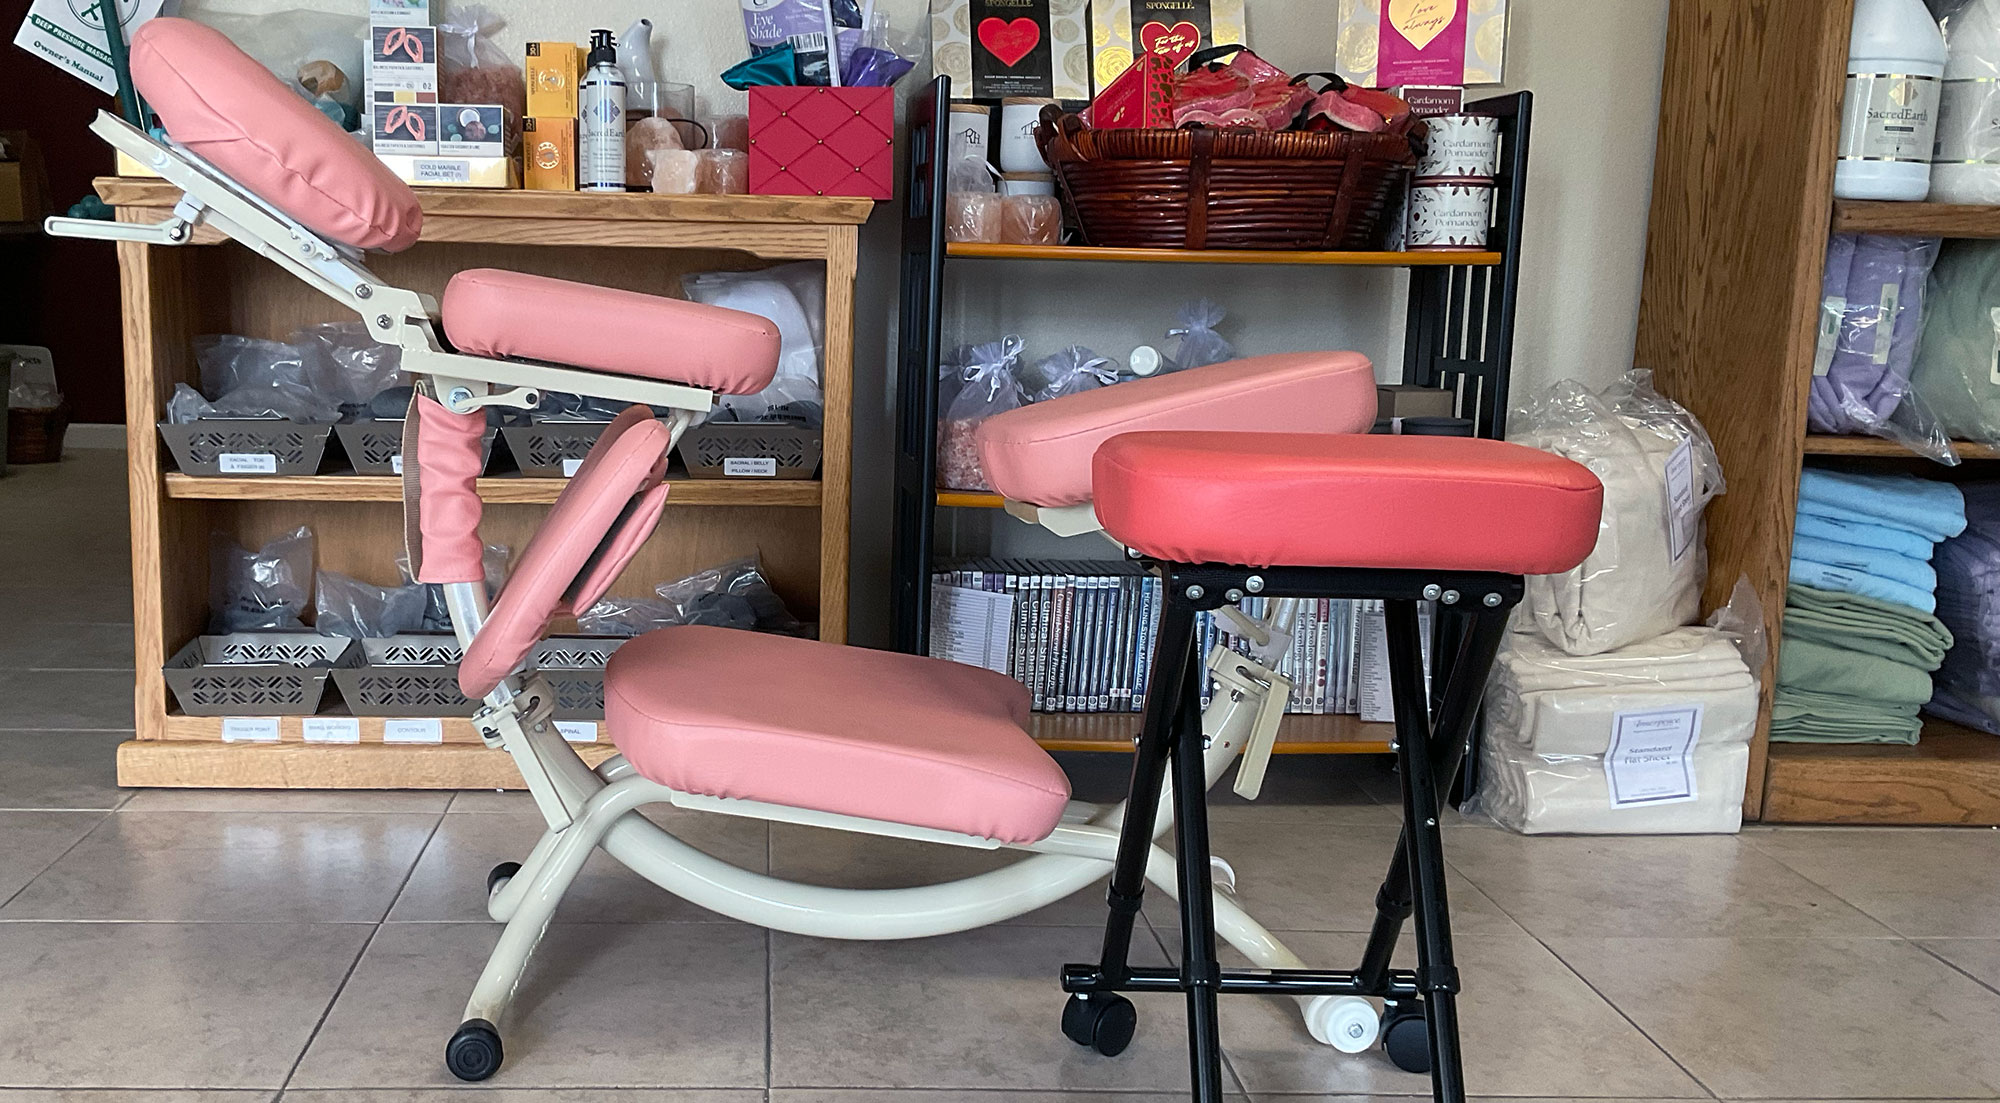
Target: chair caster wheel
(1407,1037)
(473,1053)
(1349,1024)
(1104,1021)
(500,875)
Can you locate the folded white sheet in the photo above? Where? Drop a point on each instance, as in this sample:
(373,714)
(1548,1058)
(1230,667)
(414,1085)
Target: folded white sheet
(1669,656)
(1580,721)
(1535,795)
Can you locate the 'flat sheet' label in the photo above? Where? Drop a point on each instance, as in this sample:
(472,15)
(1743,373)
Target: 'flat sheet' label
(578,731)
(331,729)
(246,463)
(249,729)
(1683,516)
(1650,760)
(422,729)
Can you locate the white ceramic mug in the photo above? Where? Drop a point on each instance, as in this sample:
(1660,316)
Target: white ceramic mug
(1461,146)
(1450,214)
(1028,183)
(1018,117)
(969,124)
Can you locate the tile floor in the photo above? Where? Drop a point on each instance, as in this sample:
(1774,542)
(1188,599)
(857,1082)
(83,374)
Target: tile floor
(217,947)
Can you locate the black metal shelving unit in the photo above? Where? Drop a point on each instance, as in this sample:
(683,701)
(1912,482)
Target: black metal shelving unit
(1459,333)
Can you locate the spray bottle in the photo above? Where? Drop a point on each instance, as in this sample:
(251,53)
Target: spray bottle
(601,124)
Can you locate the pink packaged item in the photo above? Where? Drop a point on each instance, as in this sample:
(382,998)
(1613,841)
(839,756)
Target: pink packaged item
(1247,92)
(972,216)
(1031,220)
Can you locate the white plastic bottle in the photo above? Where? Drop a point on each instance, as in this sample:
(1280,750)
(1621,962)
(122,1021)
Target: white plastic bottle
(600,162)
(1895,70)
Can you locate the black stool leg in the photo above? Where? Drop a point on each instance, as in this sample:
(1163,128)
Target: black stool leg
(1200,971)
(1437,973)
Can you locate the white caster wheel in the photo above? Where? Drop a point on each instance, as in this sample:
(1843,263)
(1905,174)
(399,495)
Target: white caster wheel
(1222,875)
(1349,1024)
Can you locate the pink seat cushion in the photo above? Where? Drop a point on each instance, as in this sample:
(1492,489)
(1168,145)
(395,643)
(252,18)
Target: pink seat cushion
(1325,500)
(596,526)
(1041,453)
(488,312)
(876,734)
(220,103)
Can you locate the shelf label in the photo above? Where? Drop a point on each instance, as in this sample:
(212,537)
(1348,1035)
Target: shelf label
(331,729)
(570,468)
(396,463)
(763,466)
(1651,758)
(246,463)
(249,729)
(578,731)
(428,171)
(422,729)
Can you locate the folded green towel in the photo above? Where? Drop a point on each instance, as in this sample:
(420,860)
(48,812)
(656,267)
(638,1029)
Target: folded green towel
(1865,624)
(1804,716)
(1817,667)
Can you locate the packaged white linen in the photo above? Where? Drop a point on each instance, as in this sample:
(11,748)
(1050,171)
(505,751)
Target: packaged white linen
(1581,721)
(1538,795)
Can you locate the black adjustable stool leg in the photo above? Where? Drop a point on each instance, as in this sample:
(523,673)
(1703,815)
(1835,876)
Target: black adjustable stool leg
(1201,973)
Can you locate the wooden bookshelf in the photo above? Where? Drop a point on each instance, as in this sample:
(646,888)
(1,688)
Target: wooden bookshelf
(1422,259)
(1855,216)
(1817,445)
(970,499)
(494,490)
(1951,776)
(1114,732)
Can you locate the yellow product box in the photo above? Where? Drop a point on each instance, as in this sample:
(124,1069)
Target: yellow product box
(554,71)
(548,154)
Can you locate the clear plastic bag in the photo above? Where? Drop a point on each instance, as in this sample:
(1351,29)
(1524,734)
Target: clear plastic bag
(733,595)
(473,70)
(347,365)
(974,216)
(792,297)
(1200,345)
(1966,168)
(1031,220)
(1071,371)
(1957,374)
(248,377)
(437,613)
(989,388)
(1871,315)
(344,606)
(318,54)
(882,56)
(1645,574)
(30,374)
(265,589)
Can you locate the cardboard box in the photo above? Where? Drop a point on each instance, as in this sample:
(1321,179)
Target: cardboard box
(406,128)
(402,65)
(453,172)
(992,49)
(548,154)
(70,36)
(1121,29)
(554,71)
(1384,43)
(472,130)
(399,13)
(1141,96)
(1396,400)
(823,141)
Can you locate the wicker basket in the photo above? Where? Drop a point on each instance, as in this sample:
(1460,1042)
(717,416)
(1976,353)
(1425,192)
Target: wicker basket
(1162,188)
(35,434)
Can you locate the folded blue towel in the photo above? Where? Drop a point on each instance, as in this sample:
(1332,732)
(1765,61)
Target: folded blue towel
(1922,506)
(1867,535)
(1875,561)
(1823,577)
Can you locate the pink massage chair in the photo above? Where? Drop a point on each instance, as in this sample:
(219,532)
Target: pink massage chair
(1242,478)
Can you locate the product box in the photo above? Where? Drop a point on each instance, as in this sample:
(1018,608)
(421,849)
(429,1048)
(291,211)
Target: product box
(1397,400)
(402,65)
(992,49)
(472,130)
(70,35)
(399,13)
(1428,101)
(548,154)
(1141,96)
(1384,43)
(822,141)
(1120,29)
(407,128)
(453,172)
(554,71)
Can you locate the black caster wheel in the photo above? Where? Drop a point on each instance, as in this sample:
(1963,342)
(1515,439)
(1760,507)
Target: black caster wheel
(499,873)
(1104,1021)
(1407,1037)
(473,1053)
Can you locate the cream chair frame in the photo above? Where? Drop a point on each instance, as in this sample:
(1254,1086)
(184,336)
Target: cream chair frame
(587,809)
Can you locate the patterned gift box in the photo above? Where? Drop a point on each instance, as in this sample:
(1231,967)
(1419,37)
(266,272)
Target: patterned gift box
(822,141)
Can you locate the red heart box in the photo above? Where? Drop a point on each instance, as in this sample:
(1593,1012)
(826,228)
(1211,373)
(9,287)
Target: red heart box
(1009,42)
(1176,43)
(822,141)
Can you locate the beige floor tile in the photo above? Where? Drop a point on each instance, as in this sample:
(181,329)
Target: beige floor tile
(1323,877)
(65,700)
(602,1005)
(1694,886)
(1815,1018)
(1528,1026)
(842,859)
(521,1095)
(1321,789)
(924,1095)
(492,800)
(67,645)
(449,882)
(165,1005)
(118,1095)
(1979,957)
(287,800)
(1923,883)
(60,769)
(982,1009)
(34,840)
(230,866)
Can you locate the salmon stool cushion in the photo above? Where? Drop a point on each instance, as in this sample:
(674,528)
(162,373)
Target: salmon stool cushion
(1325,500)
(229,110)
(489,312)
(1041,453)
(885,736)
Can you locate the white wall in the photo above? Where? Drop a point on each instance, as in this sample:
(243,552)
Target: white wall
(1594,68)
